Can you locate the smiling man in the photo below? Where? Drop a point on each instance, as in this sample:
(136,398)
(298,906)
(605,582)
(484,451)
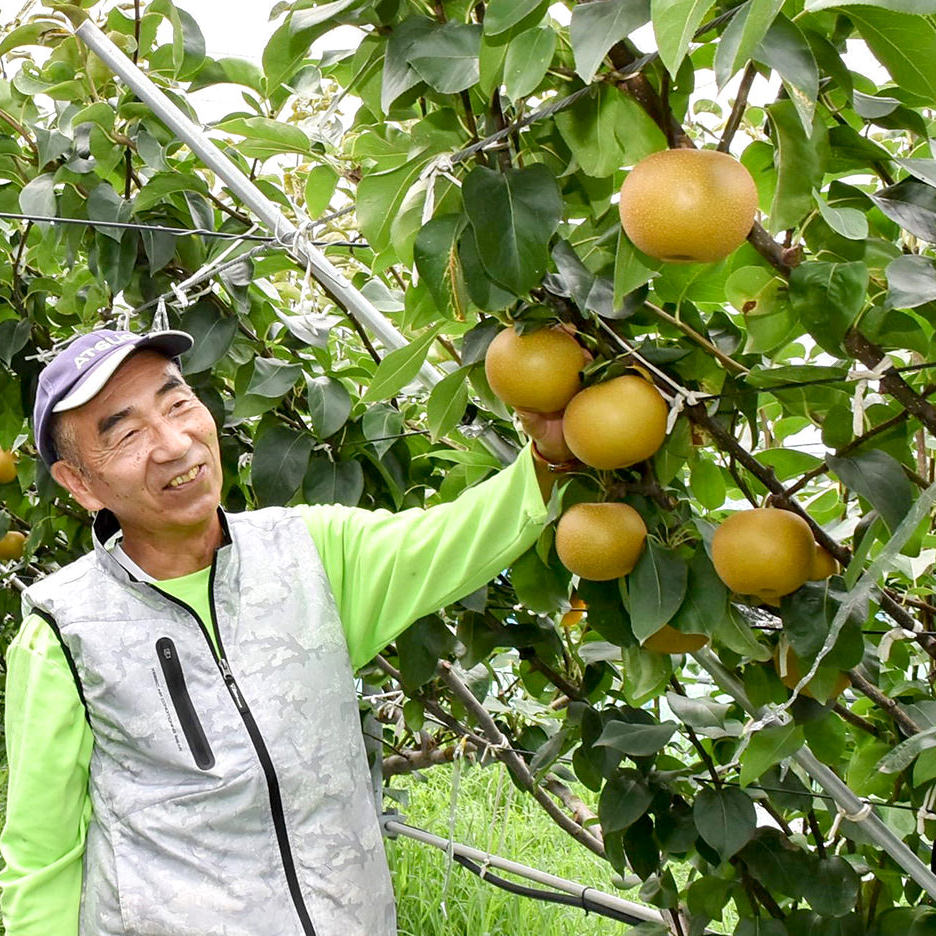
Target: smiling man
(181,717)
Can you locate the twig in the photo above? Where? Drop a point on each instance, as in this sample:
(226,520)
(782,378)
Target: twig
(690,332)
(737,111)
(909,726)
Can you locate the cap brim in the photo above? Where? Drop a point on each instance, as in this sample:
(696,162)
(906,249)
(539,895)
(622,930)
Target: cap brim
(170,343)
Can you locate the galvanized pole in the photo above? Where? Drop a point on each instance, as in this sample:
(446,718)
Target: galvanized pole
(326,274)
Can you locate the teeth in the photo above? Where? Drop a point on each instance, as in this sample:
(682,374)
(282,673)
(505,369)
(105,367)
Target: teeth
(181,479)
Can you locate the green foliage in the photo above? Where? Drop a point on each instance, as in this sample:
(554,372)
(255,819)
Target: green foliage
(451,244)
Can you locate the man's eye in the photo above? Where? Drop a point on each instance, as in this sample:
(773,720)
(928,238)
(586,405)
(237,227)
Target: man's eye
(127,436)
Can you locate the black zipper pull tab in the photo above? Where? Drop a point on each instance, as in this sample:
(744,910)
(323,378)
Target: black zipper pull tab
(231,684)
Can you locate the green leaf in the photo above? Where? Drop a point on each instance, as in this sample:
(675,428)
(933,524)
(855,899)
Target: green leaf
(420,648)
(828,297)
(905,753)
(636,740)
(742,35)
(539,587)
(319,187)
(37,197)
(725,818)
(513,215)
(328,482)
(213,334)
(28,34)
(905,45)
(529,56)
(918,7)
(280,459)
(447,58)
(701,714)
(801,165)
(785,50)
(597,26)
(227,71)
(605,130)
(398,75)
(706,601)
(265,137)
(879,479)
(381,425)
(911,281)
(624,799)
(272,378)
(736,634)
(776,862)
(104,204)
(399,367)
(769,746)
(922,169)
(851,223)
(435,252)
(502,15)
(447,403)
(655,589)
(674,23)
(162,184)
(707,484)
(329,405)
(832,886)
(912,205)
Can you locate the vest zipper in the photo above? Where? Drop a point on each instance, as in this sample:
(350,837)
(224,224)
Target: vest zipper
(178,691)
(266,762)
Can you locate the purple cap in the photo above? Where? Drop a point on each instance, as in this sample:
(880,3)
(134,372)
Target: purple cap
(80,370)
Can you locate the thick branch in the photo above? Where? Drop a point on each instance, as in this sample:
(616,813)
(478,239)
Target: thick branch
(909,726)
(513,760)
(407,761)
(871,355)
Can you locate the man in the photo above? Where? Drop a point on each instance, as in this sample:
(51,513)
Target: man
(182,725)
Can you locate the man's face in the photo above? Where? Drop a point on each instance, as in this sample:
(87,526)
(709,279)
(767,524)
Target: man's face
(148,451)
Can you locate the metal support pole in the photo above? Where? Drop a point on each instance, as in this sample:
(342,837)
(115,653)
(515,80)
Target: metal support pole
(845,799)
(392,827)
(326,274)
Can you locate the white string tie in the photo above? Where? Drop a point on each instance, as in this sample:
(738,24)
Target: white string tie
(771,716)
(895,634)
(181,296)
(681,399)
(858,400)
(160,319)
(859,815)
(926,810)
(441,165)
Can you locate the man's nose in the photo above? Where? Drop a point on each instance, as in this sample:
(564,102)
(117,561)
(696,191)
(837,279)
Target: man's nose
(172,441)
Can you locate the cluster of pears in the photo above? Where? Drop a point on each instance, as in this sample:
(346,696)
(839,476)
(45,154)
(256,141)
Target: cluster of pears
(609,425)
(13,543)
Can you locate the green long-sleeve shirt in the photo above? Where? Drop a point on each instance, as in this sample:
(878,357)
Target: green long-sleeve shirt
(379,586)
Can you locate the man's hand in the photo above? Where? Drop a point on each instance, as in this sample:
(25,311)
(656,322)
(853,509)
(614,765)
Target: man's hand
(545,429)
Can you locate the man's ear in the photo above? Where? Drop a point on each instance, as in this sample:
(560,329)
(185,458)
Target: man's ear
(74,482)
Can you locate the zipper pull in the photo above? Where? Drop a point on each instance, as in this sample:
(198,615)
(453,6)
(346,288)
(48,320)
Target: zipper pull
(231,684)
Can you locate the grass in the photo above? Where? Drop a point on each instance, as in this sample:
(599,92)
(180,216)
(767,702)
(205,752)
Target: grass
(434,898)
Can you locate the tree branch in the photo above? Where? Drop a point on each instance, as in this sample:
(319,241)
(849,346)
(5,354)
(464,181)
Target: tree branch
(737,111)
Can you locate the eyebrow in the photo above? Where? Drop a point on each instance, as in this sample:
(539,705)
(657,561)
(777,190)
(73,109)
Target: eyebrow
(108,422)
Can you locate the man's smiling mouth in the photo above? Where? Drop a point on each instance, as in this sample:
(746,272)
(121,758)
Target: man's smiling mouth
(181,479)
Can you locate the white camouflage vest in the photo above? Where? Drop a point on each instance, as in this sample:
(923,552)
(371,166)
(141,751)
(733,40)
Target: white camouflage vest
(230,797)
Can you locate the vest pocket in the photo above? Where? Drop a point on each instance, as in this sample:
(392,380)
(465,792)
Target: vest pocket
(178,692)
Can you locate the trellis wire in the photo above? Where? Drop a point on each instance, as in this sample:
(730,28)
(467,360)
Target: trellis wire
(174,231)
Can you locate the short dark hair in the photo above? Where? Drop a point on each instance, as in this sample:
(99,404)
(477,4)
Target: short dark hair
(62,433)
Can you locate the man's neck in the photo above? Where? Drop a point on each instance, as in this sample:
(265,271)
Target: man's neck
(173,554)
